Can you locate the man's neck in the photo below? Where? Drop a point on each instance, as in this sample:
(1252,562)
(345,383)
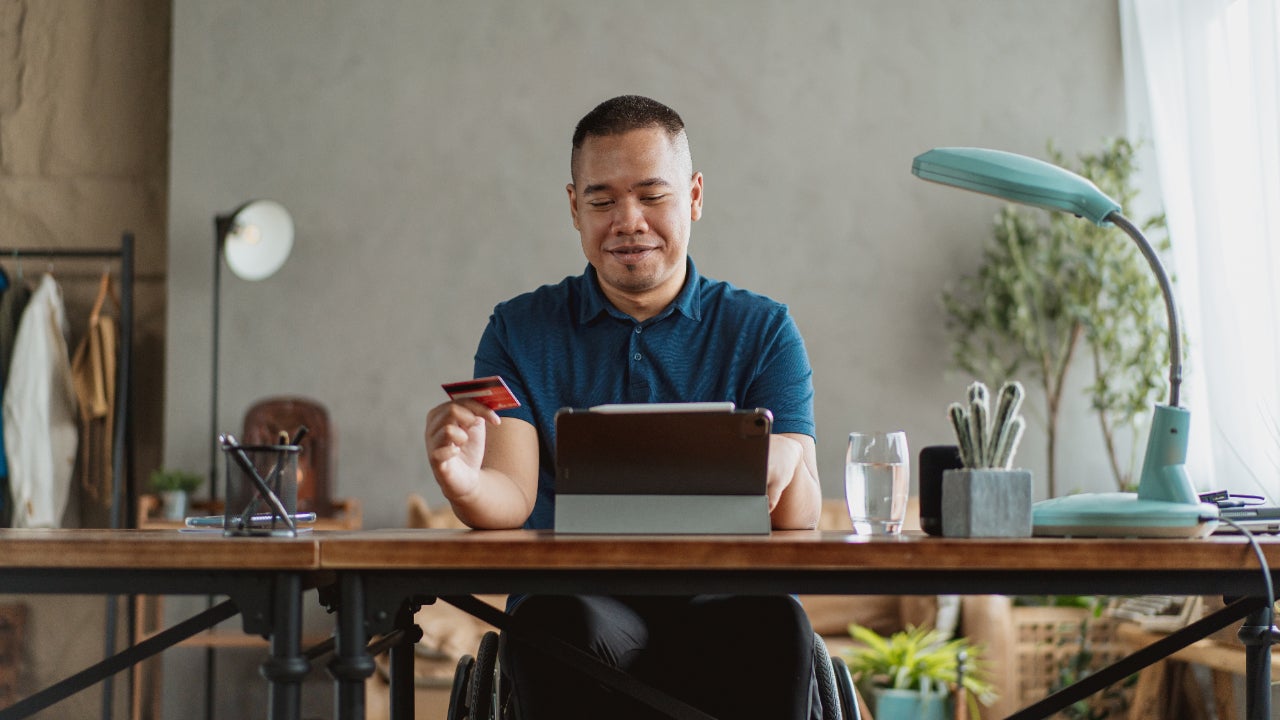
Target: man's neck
(645,305)
(639,308)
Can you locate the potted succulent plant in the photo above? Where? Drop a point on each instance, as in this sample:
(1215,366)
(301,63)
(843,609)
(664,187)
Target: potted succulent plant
(175,488)
(911,673)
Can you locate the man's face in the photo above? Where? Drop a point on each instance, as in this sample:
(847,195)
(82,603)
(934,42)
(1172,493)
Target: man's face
(633,202)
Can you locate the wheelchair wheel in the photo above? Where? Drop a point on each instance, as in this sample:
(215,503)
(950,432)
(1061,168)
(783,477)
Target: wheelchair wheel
(480,692)
(823,672)
(844,687)
(458,693)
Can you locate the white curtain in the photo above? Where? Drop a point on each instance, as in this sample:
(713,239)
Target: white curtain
(1203,84)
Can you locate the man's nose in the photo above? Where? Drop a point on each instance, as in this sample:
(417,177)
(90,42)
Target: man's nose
(629,219)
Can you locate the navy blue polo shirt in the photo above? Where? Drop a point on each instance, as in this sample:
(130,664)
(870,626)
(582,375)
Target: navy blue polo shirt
(566,345)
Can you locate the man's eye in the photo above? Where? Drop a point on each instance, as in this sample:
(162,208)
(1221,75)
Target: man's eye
(653,198)
(600,203)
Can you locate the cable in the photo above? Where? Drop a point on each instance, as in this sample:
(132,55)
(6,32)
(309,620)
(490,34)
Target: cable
(1223,498)
(1247,500)
(1262,561)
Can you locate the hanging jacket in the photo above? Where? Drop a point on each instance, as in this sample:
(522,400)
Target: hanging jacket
(40,435)
(93,374)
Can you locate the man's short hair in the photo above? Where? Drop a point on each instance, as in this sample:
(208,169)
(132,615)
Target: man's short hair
(623,114)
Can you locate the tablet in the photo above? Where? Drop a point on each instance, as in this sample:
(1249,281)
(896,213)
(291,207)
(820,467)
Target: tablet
(699,469)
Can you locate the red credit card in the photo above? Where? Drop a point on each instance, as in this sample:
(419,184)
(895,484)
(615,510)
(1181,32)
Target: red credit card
(491,392)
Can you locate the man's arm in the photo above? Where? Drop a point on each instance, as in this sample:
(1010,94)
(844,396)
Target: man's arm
(795,494)
(486,466)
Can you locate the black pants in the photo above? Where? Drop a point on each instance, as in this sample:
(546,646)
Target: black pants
(729,656)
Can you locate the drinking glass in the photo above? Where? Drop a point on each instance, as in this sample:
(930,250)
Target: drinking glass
(877,473)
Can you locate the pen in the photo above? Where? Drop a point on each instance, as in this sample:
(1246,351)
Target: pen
(262,519)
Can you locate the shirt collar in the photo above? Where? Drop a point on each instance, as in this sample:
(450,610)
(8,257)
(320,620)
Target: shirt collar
(688,302)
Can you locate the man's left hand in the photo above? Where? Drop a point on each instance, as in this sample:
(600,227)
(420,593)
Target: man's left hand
(795,495)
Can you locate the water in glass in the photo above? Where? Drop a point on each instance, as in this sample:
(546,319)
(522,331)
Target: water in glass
(876,479)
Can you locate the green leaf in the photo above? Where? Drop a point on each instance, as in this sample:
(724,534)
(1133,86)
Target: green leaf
(917,658)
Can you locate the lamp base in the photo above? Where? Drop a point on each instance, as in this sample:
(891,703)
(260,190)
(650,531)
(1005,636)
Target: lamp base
(1120,515)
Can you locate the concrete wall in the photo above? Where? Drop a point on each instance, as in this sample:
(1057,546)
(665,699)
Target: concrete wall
(423,150)
(84,141)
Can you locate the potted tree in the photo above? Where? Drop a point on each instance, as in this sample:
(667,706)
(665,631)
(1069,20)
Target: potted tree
(175,488)
(911,674)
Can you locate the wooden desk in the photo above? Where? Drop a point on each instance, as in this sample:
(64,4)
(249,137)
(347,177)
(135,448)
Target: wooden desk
(347,514)
(263,577)
(379,571)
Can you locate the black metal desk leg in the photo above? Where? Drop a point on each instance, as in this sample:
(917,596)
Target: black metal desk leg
(401,655)
(1256,636)
(286,667)
(351,665)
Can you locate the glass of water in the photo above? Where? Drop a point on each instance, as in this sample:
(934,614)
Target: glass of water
(877,474)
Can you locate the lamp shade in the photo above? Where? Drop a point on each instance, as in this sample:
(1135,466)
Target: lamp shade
(257,240)
(1016,178)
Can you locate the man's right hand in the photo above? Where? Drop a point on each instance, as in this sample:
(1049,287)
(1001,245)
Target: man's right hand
(487,467)
(455,438)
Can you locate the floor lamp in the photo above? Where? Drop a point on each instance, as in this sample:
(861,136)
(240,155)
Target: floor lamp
(255,240)
(1166,504)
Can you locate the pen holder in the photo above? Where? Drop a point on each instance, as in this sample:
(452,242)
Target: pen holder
(986,503)
(261,490)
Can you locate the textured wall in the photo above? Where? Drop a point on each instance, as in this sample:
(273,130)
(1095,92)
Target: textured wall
(84,103)
(84,109)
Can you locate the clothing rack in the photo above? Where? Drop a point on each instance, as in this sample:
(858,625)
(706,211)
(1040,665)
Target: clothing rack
(122,496)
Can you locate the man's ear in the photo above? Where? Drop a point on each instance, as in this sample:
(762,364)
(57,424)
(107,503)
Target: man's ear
(695,197)
(573,204)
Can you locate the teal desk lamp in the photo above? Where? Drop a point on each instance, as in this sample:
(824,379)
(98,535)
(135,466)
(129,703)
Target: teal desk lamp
(1166,504)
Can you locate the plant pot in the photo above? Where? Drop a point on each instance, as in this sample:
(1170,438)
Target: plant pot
(174,504)
(986,503)
(910,705)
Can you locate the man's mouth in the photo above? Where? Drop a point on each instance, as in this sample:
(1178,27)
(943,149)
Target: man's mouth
(631,253)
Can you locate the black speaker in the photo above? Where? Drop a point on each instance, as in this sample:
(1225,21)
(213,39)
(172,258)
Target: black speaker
(933,461)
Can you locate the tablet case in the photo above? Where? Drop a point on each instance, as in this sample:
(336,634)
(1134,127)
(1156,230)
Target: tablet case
(662,470)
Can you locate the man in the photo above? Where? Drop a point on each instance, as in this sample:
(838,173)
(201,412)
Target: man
(640,325)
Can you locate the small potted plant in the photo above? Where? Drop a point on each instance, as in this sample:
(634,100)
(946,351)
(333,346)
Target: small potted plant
(987,497)
(911,673)
(175,488)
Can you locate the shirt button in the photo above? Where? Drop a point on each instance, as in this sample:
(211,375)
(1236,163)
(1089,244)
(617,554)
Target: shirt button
(637,356)
(638,329)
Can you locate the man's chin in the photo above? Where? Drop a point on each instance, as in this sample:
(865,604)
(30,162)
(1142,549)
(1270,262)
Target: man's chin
(630,278)
(634,286)
(634,278)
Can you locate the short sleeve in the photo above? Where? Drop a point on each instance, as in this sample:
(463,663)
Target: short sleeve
(493,358)
(784,384)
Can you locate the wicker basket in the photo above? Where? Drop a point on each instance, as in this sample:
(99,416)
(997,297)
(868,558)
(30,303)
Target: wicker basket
(1048,640)
(13,623)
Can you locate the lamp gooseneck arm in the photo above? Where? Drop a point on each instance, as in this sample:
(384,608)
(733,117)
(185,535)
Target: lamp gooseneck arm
(1166,289)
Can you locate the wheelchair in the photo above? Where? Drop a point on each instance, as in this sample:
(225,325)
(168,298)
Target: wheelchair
(479,692)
